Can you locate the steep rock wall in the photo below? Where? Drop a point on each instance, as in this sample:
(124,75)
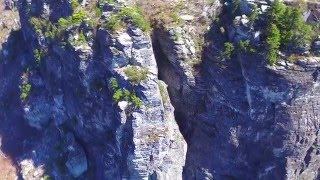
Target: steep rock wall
(80,131)
(242,118)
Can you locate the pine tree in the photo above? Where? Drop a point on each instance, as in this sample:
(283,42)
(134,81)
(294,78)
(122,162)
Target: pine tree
(273,44)
(275,12)
(294,32)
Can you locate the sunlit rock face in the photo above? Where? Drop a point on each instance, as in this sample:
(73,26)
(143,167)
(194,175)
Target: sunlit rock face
(70,125)
(91,96)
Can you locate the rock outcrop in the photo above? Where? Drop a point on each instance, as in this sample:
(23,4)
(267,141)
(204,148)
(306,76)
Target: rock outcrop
(98,98)
(68,99)
(241,118)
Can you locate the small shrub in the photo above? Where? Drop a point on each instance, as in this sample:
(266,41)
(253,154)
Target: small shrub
(82,37)
(46,177)
(43,26)
(25,91)
(253,16)
(78,17)
(113,84)
(121,94)
(75,4)
(38,24)
(118,95)
(74,20)
(136,74)
(135,100)
(63,23)
(78,40)
(98,11)
(110,1)
(228,50)
(114,23)
(177,19)
(246,47)
(38,55)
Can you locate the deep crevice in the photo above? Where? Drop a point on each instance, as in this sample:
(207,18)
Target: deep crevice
(165,69)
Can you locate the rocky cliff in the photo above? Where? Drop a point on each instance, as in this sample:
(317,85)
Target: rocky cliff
(76,128)
(90,90)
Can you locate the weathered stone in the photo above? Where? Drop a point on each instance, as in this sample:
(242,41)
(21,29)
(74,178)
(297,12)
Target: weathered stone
(38,114)
(187,17)
(316,45)
(77,160)
(29,171)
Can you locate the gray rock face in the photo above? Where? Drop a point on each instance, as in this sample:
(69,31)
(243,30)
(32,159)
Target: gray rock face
(155,135)
(242,119)
(77,162)
(239,119)
(71,105)
(316,45)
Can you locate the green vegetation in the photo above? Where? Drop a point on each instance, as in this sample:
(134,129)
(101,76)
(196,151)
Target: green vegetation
(177,19)
(25,91)
(245,46)
(114,84)
(38,24)
(56,31)
(253,16)
(77,40)
(74,20)
(46,177)
(43,26)
(132,15)
(163,93)
(75,4)
(39,54)
(273,44)
(136,74)
(121,94)
(286,29)
(228,50)
(82,37)
(98,11)
(110,1)
(115,23)
(235,6)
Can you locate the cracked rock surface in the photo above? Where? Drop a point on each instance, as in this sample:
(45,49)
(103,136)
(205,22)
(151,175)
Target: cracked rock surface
(71,108)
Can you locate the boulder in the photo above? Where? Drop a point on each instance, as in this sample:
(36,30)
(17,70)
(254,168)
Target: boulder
(316,45)
(77,161)
(38,114)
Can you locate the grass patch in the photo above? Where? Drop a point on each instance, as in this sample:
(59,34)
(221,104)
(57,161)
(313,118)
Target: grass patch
(136,74)
(163,92)
(128,15)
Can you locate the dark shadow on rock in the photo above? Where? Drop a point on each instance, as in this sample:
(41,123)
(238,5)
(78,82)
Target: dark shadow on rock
(221,130)
(17,136)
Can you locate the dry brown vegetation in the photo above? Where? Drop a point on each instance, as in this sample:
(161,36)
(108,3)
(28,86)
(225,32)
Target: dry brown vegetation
(159,12)
(8,21)
(167,12)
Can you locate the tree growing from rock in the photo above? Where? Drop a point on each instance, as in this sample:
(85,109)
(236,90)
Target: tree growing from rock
(273,44)
(296,32)
(286,28)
